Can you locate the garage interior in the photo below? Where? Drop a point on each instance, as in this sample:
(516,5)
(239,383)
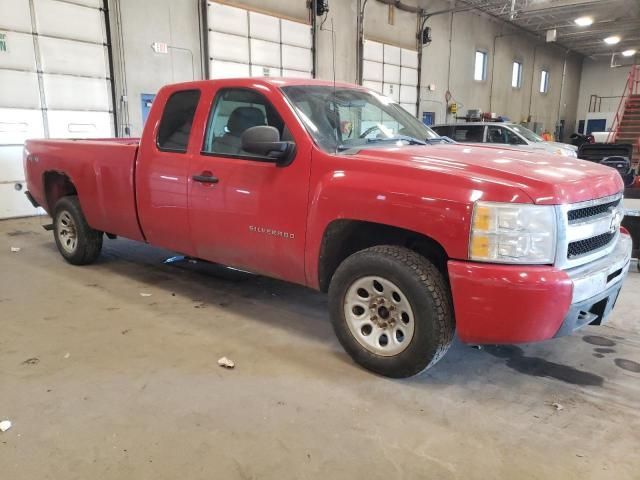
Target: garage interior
(111,370)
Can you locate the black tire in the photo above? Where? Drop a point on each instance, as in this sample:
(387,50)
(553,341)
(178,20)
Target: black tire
(88,242)
(425,290)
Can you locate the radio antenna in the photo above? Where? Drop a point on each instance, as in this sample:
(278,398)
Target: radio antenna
(333,68)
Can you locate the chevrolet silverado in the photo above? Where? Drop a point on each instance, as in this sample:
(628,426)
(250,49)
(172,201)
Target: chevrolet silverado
(336,187)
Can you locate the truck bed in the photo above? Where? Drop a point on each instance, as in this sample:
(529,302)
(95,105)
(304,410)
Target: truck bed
(102,171)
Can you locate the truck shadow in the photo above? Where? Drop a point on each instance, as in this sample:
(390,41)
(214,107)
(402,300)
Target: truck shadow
(303,312)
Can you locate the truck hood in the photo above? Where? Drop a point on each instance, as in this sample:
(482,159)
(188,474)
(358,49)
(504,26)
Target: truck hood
(547,179)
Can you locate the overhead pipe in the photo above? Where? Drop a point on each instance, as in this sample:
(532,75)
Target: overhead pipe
(533,74)
(360,40)
(402,6)
(564,74)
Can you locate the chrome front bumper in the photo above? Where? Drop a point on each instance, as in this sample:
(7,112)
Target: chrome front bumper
(600,275)
(596,287)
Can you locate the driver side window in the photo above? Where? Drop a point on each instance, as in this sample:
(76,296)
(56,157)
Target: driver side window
(513,138)
(234,111)
(496,135)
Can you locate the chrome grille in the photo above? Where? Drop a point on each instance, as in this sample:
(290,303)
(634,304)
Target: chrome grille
(587,230)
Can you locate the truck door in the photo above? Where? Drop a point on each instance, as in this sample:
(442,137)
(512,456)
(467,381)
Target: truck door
(245,211)
(162,173)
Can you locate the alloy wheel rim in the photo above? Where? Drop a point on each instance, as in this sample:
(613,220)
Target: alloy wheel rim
(379,315)
(67,232)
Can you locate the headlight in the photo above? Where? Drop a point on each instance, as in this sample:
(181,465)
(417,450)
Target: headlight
(513,233)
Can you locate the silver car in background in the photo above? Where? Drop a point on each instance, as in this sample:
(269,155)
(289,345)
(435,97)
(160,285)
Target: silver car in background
(502,133)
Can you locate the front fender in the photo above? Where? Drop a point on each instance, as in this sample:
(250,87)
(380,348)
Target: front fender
(437,210)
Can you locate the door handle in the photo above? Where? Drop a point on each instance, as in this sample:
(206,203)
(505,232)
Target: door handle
(205,178)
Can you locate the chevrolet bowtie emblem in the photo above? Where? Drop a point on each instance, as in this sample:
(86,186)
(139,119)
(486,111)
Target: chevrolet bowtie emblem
(616,220)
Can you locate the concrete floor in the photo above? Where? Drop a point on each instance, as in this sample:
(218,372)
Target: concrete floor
(101,382)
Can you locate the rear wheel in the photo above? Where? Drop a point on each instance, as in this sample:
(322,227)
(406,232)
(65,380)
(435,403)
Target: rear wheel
(77,242)
(391,310)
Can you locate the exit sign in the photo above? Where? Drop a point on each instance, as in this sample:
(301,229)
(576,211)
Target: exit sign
(160,47)
(3,42)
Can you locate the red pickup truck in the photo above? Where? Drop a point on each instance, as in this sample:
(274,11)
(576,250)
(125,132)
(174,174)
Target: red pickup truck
(338,188)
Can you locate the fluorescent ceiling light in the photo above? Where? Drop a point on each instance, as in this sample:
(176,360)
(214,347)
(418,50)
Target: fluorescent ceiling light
(628,53)
(612,40)
(583,21)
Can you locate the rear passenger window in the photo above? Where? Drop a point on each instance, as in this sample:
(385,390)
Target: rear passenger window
(175,126)
(469,133)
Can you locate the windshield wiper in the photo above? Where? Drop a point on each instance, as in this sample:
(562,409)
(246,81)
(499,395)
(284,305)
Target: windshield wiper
(396,138)
(442,139)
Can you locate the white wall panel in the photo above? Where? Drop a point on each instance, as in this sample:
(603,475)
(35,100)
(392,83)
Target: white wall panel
(373,51)
(20,54)
(262,44)
(76,124)
(66,20)
(264,27)
(295,33)
(87,3)
(11,163)
(409,58)
(408,76)
(408,94)
(15,15)
(295,74)
(220,69)
(64,92)
(264,71)
(391,54)
(372,71)
(227,19)
(71,38)
(232,48)
(391,73)
(13,203)
(265,53)
(375,86)
(19,89)
(391,90)
(61,56)
(296,58)
(396,69)
(17,125)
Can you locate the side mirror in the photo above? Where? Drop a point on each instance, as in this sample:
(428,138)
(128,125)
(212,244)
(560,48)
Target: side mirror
(264,141)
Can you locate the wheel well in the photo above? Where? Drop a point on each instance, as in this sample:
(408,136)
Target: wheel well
(345,237)
(56,186)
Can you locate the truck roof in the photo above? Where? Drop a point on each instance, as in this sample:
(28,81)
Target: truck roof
(271,81)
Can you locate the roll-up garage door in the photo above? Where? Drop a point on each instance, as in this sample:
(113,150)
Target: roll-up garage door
(392,71)
(54,82)
(245,43)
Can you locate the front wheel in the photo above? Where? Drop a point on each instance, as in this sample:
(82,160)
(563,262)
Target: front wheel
(77,242)
(391,311)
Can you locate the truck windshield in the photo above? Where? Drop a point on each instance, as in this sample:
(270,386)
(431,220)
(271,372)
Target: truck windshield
(347,118)
(526,133)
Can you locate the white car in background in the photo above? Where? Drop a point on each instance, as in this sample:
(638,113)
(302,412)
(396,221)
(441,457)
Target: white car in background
(502,133)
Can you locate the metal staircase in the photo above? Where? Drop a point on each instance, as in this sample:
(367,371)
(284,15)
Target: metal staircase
(626,123)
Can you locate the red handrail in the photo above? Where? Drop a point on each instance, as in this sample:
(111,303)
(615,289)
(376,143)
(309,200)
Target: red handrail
(630,88)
